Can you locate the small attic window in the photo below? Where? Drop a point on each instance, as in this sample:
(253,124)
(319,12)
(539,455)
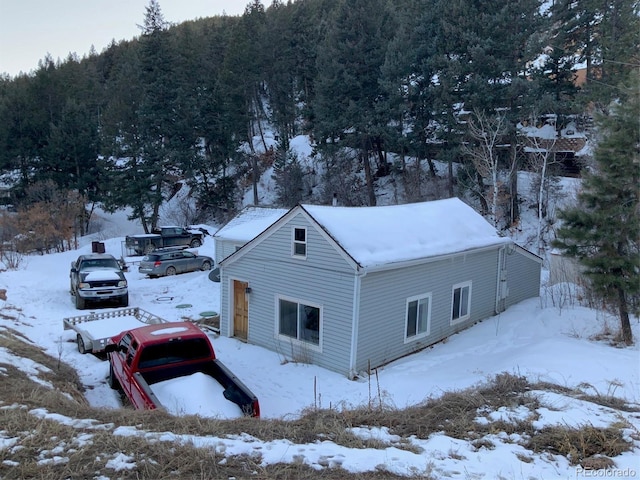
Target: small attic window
(299,242)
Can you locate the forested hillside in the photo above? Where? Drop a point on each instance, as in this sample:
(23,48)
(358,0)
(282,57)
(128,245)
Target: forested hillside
(381,87)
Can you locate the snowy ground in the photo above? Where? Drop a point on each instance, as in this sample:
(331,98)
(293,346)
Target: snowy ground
(535,339)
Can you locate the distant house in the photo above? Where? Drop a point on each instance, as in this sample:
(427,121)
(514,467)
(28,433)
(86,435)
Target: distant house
(564,147)
(352,288)
(251,221)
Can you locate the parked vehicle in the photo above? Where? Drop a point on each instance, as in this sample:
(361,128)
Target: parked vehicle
(98,278)
(172,261)
(142,357)
(96,329)
(164,237)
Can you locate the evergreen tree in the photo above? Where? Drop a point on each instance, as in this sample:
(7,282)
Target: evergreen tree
(121,143)
(603,231)
(215,188)
(407,77)
(281,77)
(24,126)
(348,89)
(157,112)
(604,35)
(288,176)
(243,75)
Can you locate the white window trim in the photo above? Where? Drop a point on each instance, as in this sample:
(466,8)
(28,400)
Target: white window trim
(295,341)
(417,336)
(294,242)
(468,315)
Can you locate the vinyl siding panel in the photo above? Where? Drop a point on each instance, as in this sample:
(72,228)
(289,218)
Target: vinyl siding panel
(523,277)
(384,296)
(224,248)
(324,278)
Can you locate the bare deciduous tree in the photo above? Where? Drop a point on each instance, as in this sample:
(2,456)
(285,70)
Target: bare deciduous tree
(540,156)
(487,135)
(50,221)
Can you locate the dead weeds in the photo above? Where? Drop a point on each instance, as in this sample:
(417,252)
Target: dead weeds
(579,444)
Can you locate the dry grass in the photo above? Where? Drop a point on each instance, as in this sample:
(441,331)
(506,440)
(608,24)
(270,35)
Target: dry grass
(455,413)
(589,393)
(579,444)
(45,448)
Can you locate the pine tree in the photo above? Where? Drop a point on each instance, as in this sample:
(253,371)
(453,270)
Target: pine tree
(603,231)
(604,34)
(348,82)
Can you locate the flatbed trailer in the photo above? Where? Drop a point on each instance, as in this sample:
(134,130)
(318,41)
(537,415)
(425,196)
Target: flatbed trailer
(95,329)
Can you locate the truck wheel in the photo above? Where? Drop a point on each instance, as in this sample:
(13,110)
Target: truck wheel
(171,271)
(80,302)
(112,380)
(124,300)
(195,243)
(206,266)
(149,248)
(81,347)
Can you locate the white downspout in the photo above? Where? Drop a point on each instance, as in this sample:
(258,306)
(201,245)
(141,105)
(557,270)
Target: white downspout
(355,321)
(499,279)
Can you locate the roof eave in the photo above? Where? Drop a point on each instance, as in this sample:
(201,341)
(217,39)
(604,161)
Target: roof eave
(435,258)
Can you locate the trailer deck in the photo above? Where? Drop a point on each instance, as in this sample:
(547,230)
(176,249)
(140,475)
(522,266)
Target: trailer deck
(96,328)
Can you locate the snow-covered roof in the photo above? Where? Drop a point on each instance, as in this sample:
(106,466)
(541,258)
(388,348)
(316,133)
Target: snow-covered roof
(250,222)
(375,236)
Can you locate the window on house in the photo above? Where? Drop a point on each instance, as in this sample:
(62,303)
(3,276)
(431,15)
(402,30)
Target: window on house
(418,317)
(461,302)
(299,242)
(299,321)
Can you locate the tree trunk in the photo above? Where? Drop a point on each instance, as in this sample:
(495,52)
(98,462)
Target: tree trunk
(155,217)
(495,192)
(514,210)
(254,167)
(432,167)
(143,221)
(625,324)
(87,218)
(382,161)
(369,177)
(450,176)
(481,195)
(543,174)
(157,201)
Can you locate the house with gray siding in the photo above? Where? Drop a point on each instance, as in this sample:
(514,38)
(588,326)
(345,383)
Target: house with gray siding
(353,288)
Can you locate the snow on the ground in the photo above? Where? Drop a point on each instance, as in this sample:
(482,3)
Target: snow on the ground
(534,339)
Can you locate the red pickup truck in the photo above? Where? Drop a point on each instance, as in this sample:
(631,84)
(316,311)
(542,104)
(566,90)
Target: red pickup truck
(145,356)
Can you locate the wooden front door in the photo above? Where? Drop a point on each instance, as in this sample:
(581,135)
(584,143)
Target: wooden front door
(240,310)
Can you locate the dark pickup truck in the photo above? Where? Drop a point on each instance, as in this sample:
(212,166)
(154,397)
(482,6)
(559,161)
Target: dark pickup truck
(164,237)
(144,356)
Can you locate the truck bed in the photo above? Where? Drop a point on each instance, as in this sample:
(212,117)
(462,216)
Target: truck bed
(230,398)
(177,398)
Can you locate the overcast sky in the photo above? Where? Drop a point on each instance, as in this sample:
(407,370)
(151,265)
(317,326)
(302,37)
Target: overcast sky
(29,29)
